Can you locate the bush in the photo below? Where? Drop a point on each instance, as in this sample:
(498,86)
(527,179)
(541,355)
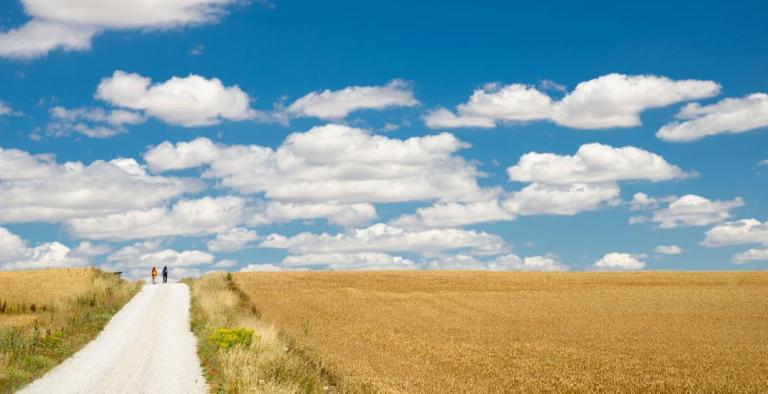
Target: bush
(227,338)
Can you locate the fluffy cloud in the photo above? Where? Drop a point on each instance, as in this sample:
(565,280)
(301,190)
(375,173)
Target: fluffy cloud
(693,210)
(562,185)
(728,116)
(534,199)
(511,103)
(618,262)
(38,37)
(509,262)
(613,100)
(190,101)
(334,105)
(88,249)
(342,214)
(16,254)
(559,199)
(745,231)
(91,122)
(384,261)
(206,215)
(36,188)
(232,240)
(642,201)
(265,268)
(454,214)
(71,24)
(352,261)
(11,245)
(182,155)
(668,249)
(616,100)
(334,163)
(750,256)
(594,163)
(384,238)
(225,264)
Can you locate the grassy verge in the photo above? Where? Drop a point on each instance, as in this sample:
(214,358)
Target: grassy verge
(242,354)
(58,331)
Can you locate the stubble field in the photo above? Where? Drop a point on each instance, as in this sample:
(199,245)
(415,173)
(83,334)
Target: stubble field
(490,332)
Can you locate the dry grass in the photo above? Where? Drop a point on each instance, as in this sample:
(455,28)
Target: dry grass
(47,315)
(489,332)
(267,365)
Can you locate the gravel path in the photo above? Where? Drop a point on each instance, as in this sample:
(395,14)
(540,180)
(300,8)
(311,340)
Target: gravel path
(147,347)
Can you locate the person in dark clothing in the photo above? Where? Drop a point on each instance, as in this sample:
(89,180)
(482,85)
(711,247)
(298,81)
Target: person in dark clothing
(165,274)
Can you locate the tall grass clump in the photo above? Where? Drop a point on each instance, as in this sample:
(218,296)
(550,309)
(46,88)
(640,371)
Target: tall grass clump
(33,340)
(242,354)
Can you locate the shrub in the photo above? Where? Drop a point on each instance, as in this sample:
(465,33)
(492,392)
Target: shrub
(227,338)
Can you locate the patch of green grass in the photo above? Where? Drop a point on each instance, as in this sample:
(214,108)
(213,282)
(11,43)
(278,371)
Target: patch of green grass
(27,353)
(227,338)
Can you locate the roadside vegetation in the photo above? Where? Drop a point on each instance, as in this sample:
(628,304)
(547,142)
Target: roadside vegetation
(433,331)
(47,315)
(241,353)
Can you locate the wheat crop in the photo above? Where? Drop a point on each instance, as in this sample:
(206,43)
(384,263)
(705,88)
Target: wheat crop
(420,332)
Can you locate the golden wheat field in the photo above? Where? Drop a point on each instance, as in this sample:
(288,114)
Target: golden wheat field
(503,332)
(23,293)
(47,315)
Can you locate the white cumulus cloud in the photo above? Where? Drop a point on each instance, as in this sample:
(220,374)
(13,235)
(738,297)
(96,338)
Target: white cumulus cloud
(15,254)
(594,163)
(619,262)
(745,231)
(232,240)
(560,185)
(347,215)
(455,214)
(203,216)
(609,101)
(560,199)
(351,261)
(334,163)
(186,101)
(337,104)
(728,116)
(508,262)
(384,238)
(37,188)
(750,256)
(71,24)
(266,268)
(668,249)
(693,210)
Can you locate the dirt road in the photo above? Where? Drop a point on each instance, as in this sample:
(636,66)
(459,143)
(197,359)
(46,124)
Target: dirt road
(147,347)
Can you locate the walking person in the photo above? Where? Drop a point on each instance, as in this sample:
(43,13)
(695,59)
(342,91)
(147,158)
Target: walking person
(154,274)
(165,274)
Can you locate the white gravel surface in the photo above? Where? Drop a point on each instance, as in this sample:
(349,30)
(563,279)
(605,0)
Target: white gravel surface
(147,347)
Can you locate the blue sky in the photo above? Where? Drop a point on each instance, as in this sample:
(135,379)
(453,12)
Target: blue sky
(547,78)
